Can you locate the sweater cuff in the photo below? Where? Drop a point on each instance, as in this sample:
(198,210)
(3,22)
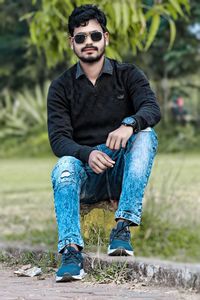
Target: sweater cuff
(85,153)
(138,122)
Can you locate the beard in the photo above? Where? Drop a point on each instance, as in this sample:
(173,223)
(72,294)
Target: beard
(90,59)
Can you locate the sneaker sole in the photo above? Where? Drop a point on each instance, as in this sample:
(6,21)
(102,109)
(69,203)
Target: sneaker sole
(69,277)
(119,252)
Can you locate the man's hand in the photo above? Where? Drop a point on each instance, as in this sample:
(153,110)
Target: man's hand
(99,161)
(119,137)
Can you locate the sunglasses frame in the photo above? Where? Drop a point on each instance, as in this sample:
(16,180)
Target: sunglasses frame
(86,34)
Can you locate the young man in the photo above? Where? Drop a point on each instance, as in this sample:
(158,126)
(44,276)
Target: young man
(100,118)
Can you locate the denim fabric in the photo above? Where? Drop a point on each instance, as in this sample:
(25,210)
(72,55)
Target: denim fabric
(74,182)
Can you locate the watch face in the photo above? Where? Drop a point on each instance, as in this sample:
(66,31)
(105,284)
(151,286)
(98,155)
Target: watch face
(129,121)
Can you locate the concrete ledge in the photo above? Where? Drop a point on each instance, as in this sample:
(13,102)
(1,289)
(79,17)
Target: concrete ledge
(154,272)
(150,271)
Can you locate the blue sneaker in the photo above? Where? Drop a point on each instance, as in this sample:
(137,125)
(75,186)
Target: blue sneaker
(120,240)
(71,267)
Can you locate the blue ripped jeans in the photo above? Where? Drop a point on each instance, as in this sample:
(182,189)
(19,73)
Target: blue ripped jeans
(74,181)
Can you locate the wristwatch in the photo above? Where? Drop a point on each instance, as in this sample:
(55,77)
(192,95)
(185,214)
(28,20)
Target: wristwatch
(130,121)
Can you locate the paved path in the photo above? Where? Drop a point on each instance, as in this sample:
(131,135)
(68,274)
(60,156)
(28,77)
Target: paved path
(26,288)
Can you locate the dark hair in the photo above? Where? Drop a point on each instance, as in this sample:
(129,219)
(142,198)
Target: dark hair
(82,14)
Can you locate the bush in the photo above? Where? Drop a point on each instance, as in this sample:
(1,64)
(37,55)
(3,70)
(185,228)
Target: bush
(176,138)
(24,113)
(23,122)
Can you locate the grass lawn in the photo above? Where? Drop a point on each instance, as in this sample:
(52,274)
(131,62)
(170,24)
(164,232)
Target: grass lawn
(171,224)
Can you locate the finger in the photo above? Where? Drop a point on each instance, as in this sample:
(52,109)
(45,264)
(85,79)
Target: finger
(124,142)
(108,158)
(97,170)
(117,143)
(99,164)
(105,162)
(112,143)
(108,141)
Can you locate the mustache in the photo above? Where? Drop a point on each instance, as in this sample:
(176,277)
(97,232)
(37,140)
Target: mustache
(89,47)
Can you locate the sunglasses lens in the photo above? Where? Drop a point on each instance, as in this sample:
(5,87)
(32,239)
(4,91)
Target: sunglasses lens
(79,38)
(96,36)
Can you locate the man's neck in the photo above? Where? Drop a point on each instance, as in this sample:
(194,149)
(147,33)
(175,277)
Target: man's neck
(93,70)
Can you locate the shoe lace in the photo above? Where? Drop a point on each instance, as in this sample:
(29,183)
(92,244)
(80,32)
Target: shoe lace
(72,256)
(122,233)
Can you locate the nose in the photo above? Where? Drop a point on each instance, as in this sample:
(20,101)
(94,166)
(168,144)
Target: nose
(88,39)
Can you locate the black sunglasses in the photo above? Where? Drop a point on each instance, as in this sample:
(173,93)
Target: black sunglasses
(80,38)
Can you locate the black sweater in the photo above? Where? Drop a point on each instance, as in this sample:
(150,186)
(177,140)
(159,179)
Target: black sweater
(81,115)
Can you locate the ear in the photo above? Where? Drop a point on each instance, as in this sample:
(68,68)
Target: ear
(106,36)
(71,43)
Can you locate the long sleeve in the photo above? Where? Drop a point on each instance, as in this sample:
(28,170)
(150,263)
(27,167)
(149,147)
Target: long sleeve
(59,125)
(147,111)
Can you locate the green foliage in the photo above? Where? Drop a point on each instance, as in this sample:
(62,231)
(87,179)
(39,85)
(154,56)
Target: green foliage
(36,237)
(47,261)
(96,235)
(184,57)
(19,65)
(156,237)
(23,113)
(176,138)
(133,25)
(153,30)
(23,122)
(36,145)
(117,273)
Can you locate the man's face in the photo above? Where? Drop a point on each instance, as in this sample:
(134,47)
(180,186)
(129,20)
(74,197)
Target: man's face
(89,51)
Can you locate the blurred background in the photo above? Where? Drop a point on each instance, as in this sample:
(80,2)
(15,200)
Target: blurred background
(163,39)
